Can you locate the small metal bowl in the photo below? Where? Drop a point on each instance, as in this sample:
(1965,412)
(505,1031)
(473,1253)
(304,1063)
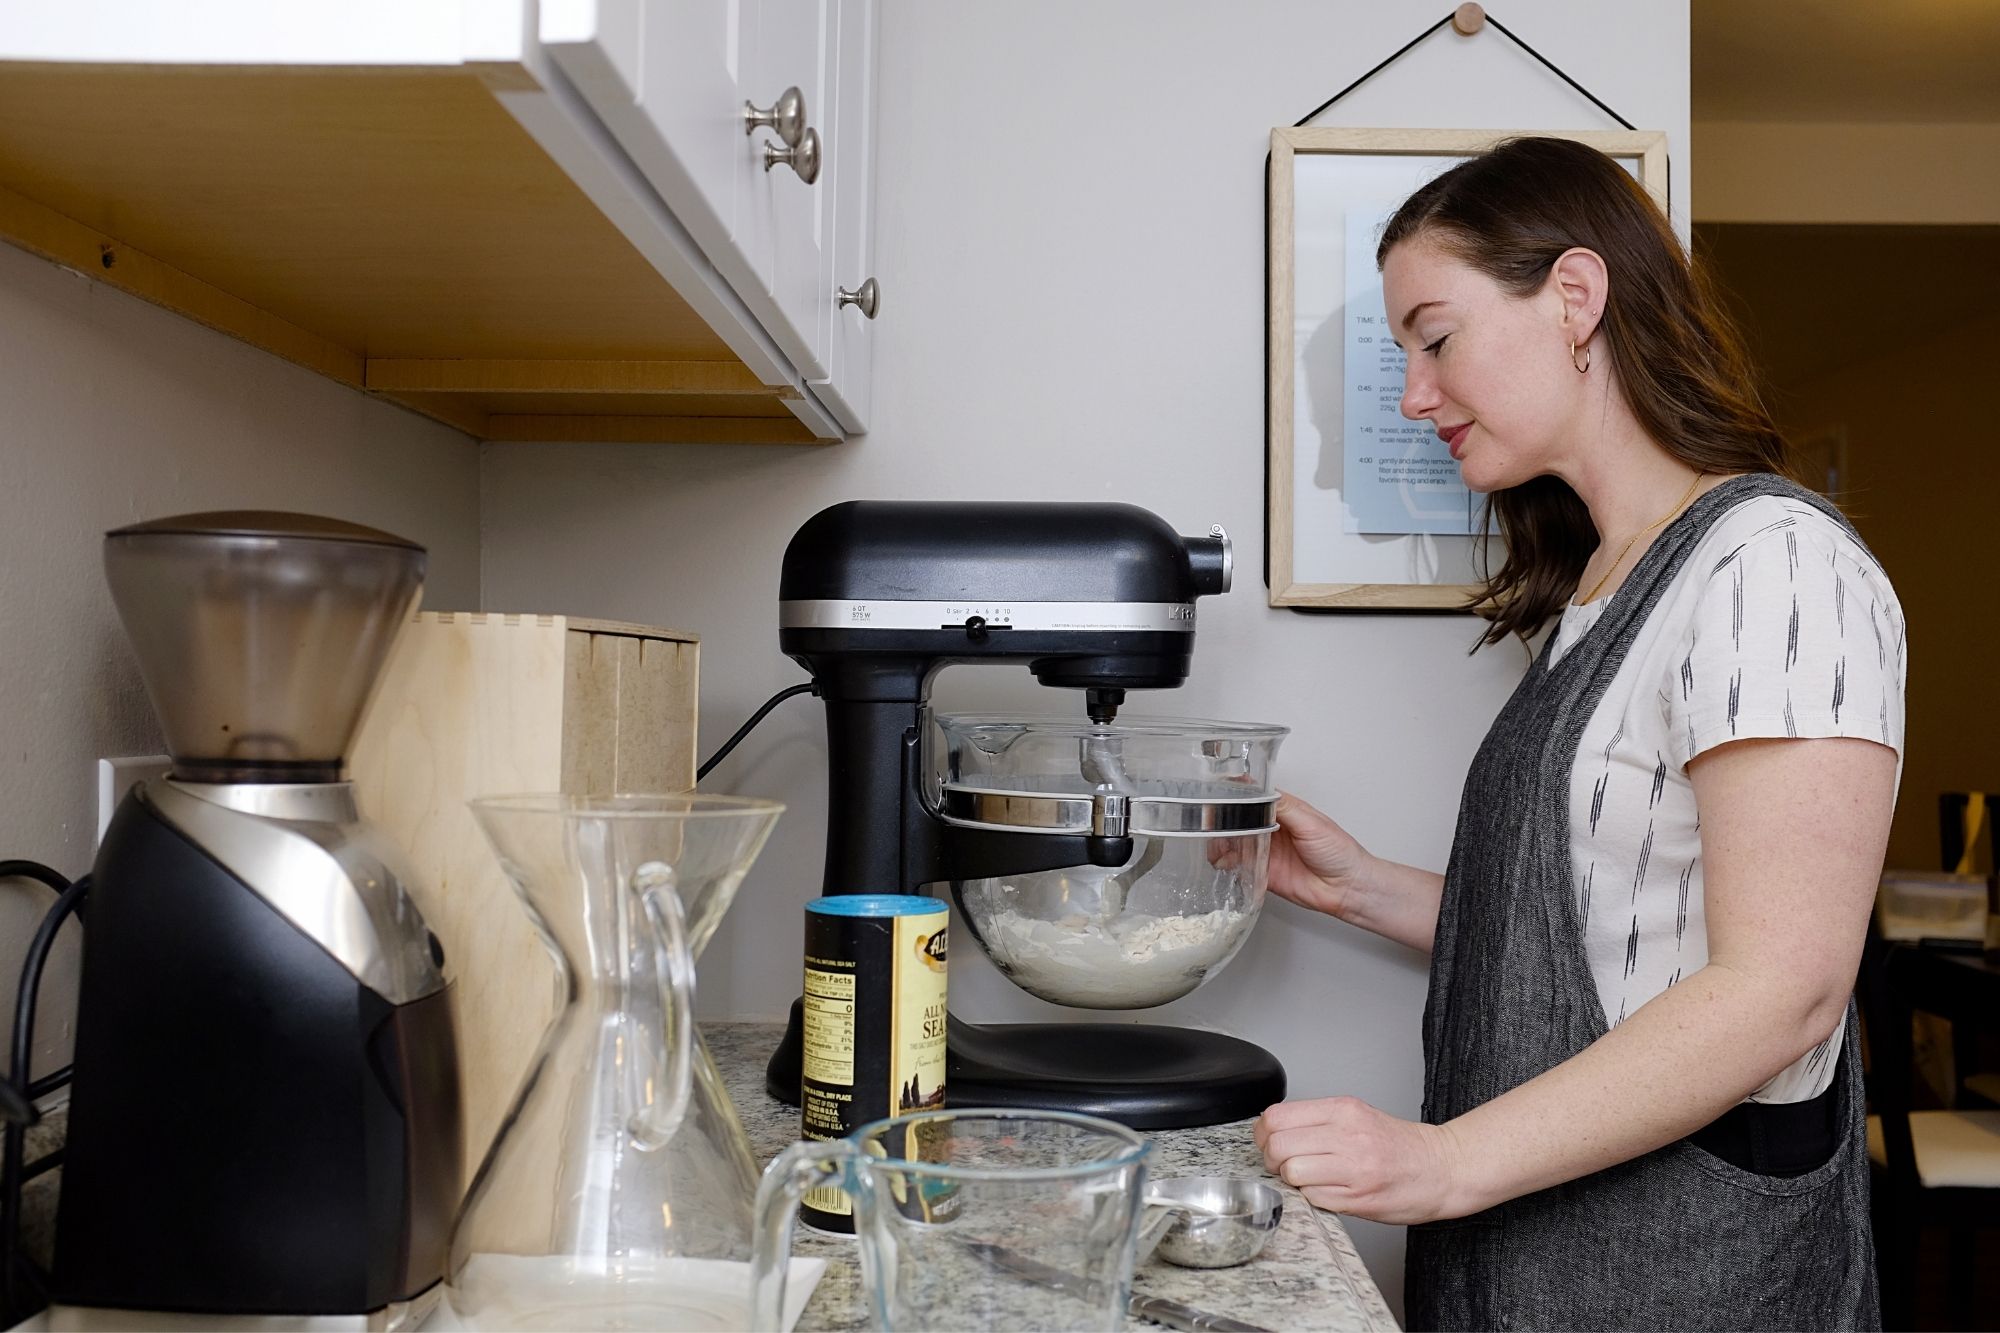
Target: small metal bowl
(1210,1221)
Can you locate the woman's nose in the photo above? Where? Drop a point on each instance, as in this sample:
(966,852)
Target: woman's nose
(1420,393)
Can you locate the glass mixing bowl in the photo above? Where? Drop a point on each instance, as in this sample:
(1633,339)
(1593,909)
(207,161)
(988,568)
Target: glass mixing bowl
(1197,799)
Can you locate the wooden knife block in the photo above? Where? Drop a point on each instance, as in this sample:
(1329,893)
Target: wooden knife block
(483,704)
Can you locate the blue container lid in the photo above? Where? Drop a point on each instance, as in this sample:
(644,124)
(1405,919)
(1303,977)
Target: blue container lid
(876,904)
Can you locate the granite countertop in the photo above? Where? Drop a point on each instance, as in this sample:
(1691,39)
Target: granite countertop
(1308,1277)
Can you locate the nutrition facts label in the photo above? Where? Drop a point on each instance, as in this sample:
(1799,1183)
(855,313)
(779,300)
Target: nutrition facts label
(828,1048)
(829,1026)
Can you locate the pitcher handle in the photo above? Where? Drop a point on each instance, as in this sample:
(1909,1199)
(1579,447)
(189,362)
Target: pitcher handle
(798,1170)
(657,1121)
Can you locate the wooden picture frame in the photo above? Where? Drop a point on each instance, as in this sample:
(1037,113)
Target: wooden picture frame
(1311,561)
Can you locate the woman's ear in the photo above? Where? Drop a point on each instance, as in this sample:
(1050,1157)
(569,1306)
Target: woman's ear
(1581,284)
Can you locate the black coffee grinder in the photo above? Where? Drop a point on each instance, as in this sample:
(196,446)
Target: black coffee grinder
(265,1114)
(874,599)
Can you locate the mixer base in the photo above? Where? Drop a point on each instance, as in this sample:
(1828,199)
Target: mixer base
(1141,1075)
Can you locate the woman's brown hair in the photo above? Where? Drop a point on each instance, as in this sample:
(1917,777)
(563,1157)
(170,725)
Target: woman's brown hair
(1510,213)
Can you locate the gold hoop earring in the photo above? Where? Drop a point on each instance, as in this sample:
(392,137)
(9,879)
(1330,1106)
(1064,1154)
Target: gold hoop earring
(1583,369)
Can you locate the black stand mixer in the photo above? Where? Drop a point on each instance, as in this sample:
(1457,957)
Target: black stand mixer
(876,598)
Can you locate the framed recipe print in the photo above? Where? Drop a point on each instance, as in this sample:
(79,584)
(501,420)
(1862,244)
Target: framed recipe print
(1366,509)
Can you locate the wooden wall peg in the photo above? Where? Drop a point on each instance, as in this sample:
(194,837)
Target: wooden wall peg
(1467,19)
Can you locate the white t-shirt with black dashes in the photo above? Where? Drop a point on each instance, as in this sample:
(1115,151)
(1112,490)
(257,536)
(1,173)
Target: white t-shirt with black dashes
(1778,624)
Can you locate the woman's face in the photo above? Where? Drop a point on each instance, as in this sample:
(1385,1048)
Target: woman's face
(1485,368)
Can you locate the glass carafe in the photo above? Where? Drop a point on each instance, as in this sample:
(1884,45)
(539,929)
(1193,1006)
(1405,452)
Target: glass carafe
(618,1193)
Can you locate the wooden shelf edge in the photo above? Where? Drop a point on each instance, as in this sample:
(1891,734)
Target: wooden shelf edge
(665,378)
(539,429)
(101,258)
(43,231)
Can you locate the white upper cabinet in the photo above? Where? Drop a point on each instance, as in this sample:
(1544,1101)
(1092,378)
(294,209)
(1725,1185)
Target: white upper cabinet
(795,50)
(347,184)
(850,276)
(666,79)
(672,81)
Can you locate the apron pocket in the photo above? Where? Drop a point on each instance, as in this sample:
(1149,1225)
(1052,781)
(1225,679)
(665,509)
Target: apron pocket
(1680,1239)
(1755,1182)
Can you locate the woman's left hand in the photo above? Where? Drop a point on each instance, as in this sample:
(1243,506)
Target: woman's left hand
(1345,1156)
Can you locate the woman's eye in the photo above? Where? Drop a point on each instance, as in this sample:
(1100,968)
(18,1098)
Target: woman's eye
(1439,343)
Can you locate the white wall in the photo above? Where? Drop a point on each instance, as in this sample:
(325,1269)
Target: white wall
(1071,255)
(112,411)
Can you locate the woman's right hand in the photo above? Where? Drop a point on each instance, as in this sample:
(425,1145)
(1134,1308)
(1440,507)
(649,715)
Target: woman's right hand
(1315,862)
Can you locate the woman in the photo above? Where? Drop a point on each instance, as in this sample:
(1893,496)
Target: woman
(1642,1105)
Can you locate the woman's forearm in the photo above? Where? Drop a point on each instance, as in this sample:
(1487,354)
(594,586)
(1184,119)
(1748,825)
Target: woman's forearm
(1680,1061)
(1395,901)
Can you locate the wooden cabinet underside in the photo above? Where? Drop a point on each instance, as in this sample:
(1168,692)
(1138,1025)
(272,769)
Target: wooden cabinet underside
(396,230)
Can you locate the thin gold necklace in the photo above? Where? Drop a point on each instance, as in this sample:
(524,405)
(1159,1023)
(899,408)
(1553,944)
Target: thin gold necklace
(1591,596)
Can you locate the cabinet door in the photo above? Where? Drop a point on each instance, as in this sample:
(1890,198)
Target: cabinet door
(851,165)
(795,48)
(667,80)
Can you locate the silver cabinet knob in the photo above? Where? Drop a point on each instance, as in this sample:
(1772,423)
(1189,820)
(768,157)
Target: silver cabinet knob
(865,297)
(802,158)
(787,116)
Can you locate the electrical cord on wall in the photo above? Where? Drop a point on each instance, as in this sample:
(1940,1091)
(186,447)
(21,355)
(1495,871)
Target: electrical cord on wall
(756,717)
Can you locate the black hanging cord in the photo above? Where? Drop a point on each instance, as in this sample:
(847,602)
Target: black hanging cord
(18,1109)
(745,729)
(1506,32)
(1559,74)
(1371,73)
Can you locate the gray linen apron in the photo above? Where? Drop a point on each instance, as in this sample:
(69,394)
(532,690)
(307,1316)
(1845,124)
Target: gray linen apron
(1677,1238)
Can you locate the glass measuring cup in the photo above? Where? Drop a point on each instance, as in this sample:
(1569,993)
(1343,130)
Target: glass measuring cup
(971,1219)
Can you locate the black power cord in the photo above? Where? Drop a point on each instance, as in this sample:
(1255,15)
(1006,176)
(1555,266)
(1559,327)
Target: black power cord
(755,718)
(36,871)
(17,1107)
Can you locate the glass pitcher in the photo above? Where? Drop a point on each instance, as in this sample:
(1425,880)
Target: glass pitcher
(618,1192)
(974,1219)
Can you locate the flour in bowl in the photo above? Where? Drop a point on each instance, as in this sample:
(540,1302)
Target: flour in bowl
(1130,961)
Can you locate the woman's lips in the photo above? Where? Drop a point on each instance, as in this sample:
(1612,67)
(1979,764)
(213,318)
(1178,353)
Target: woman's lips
(1454,436)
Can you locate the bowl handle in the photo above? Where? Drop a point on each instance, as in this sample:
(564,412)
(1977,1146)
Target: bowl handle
(1158,1219)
